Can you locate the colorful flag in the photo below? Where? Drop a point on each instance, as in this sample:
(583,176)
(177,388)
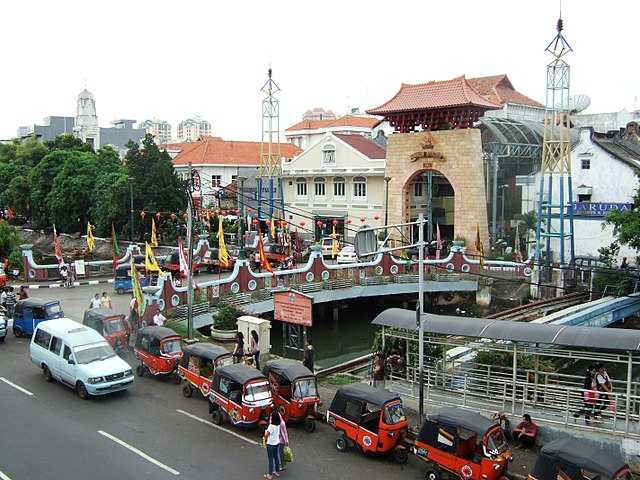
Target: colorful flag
(150,262)
(516,246)
(438,241)
(184,264)
(154,238)
(57,249)
(91,243)
(264,261)
(223,255)
(479,246)
(273,229)
(137,289)
(114,247)
(334,243)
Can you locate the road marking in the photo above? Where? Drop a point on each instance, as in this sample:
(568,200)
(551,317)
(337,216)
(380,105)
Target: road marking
(211,424)
(17,387)
(139,452)
(4,476)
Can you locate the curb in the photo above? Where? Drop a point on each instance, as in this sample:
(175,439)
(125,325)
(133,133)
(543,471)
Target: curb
(75,284)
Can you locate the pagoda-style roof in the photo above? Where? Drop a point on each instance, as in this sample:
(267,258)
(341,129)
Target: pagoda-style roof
(439,94)
(435,105)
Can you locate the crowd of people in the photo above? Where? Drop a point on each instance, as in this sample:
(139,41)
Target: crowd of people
(596,394)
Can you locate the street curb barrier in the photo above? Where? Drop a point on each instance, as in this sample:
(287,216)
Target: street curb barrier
(75,284)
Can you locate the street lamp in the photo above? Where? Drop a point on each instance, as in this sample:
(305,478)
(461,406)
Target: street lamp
(502,187)
(130,179)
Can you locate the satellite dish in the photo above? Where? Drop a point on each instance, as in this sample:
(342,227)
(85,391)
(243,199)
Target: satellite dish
(365,242)
(578,103)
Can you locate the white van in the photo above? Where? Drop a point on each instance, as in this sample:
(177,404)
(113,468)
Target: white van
(79,357)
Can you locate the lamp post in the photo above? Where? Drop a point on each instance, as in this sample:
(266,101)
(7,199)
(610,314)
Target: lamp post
(502,187)
(131,198)
(419,312)
(386,202)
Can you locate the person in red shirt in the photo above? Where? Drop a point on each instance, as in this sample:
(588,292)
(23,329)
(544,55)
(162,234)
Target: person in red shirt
(526,432)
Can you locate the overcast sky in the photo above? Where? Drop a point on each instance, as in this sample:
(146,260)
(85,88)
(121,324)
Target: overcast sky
(175,59)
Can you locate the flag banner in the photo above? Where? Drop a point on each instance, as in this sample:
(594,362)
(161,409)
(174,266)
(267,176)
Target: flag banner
(479,246)
(264,261)
(114,247)
(137,289)
(57,248)
(223,254)
(184,265)
(273,229)
(334,243)
(91,242)
(154,238)
(150,262)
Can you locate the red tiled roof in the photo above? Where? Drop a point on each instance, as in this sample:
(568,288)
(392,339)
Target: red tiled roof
(498,89)
(344,121)
(216,151)
(432,95)
(364,145)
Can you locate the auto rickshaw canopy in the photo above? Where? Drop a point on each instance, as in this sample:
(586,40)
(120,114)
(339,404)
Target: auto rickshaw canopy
(288,369)
(240,373)
(571,456)
(157,333)
(100,314)
(366,393)
(34,302)
(205,350)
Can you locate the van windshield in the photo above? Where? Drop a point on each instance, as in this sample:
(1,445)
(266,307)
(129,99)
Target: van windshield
(94,353)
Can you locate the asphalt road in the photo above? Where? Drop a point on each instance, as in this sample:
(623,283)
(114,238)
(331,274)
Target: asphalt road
(148,432)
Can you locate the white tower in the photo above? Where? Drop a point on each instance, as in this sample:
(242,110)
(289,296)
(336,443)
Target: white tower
(86,126)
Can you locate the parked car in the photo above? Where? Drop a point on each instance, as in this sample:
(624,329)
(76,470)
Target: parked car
(347,255)
(326,246)
(79,357)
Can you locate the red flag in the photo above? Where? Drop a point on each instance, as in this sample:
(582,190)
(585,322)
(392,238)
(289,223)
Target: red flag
(184,264)
(57,249)
(264,261)
(438,241)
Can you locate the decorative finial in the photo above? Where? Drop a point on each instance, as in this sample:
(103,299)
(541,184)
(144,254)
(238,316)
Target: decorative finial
(270,71)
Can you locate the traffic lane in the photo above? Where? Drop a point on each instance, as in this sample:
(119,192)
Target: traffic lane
(37,442)
(147,417)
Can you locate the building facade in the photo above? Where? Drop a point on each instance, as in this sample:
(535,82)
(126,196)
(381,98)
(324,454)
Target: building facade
(52,127)
(307,133)
(340,178)
(192,129)
(160,129)
(220,163)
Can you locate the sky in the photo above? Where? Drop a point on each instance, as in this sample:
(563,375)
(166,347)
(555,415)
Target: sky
(176,59)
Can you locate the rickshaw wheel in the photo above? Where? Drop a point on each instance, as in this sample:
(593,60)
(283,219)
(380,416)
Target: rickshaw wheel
(432,475)
(17,332)
(216,417)
(177,378)
(401,455)
(187,391)
(309,425)
(140,370)
(47,373)
(341,444)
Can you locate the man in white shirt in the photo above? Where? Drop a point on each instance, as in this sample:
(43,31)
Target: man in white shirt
(159,319)
(95,301)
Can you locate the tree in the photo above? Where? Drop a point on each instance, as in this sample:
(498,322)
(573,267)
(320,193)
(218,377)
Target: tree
(68,141)
(626,224)
(41,180)
(111,202)
(9,239)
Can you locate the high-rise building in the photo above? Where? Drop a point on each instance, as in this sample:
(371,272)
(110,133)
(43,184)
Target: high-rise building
(160,129)
(192,129)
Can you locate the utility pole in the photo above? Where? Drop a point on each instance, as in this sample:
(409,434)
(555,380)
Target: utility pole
(420,311)
(131,197)
(386,202)
(194,185)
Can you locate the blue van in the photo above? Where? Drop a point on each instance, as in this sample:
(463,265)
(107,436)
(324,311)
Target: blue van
(28,313)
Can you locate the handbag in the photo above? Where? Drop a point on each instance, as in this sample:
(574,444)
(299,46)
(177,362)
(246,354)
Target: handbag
(287,454)
(590,396)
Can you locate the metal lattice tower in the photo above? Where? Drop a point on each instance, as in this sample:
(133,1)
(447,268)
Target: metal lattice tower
(555,211)
(270,184)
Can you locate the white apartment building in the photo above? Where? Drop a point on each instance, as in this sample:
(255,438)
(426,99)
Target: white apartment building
(160,129)
(192,129)
(307,133)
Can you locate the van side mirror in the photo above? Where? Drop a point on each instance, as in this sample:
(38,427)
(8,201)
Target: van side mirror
(71,361)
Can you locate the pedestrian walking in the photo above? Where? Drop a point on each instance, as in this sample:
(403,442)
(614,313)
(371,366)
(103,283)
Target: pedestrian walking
(589,394)
(10,302)
(307,361)
(238,351)
(284,442)
(105,301)
(377,371)
(22,293)
(272,441)
(95,301)
(254,348)
(604,388)
(134,321)
(64,276)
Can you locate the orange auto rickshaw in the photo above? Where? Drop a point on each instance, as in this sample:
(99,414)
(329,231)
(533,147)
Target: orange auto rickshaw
(371,419)
(294,391)
(198,364)
(158,349)
(464,444)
